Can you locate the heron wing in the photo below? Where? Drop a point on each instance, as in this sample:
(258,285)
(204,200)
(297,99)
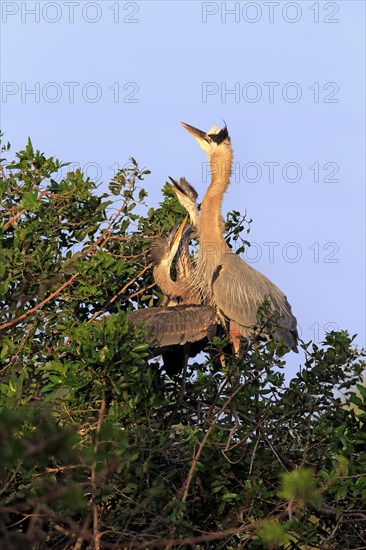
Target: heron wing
(178,325)
(239,290)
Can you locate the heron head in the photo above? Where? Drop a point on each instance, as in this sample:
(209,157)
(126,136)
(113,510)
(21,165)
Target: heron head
(187,196)
(185,192)
(211,140)
(163,250)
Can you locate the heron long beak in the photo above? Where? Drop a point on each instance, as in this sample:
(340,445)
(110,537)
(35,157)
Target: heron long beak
(174,186)
(178,234)
(198,134)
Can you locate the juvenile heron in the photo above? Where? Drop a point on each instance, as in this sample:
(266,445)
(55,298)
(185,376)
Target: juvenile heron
(230,284)
(187,196)
(162,254)
(179,332)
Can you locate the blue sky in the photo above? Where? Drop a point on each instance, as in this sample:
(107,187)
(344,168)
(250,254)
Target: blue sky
(114,79)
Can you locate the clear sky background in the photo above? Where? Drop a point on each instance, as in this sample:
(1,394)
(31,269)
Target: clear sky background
(94,83)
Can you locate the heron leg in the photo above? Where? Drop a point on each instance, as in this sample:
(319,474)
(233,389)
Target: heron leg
(222,360)
(235,337)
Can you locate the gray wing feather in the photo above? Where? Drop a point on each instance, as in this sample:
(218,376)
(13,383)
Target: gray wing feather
(239,290)
(176,325)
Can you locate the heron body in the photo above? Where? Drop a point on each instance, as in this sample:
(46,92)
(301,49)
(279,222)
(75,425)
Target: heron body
(162,254)
(231,285)
(182,331)
(184,266)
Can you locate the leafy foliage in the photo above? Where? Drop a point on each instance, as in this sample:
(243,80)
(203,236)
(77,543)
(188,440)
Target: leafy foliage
(100,448)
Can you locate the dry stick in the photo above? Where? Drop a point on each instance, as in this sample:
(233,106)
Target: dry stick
(191,541)
(251,432)
(62,468)
(141,291)
(214,404)
(116,238)
(253,455)
(39,306)
(272,449)
(74,530)
(225,383)
(350,477)
(188,481)
(21,520)
(232,430)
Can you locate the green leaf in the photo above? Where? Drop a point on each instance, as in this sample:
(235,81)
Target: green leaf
(299,485)
(30,201)
(273,532)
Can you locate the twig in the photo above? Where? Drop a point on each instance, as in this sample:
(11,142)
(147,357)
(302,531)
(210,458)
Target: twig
(253,456)
(272,449)
(22,343)
(2,172)
(140,291)
(122,291)
(351,477)
(232,430)
(251,432)
(23,210)
(104,237)
(82,534)
(40,305)
(75,530)
(187,483)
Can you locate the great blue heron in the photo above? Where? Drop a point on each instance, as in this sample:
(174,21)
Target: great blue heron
(162,253)
(179,332)
(227,281)
(187,196)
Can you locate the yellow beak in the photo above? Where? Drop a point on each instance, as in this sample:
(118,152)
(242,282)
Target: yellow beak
(174,186)
(178,234)
(198,134)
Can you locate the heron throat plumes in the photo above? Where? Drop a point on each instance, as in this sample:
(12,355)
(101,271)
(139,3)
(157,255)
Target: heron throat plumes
(213,247)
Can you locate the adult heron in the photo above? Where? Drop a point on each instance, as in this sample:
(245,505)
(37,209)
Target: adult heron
(231,285)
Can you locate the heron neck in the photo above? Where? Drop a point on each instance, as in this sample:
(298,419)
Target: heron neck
(195,217)
(163,279)
(210,226)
